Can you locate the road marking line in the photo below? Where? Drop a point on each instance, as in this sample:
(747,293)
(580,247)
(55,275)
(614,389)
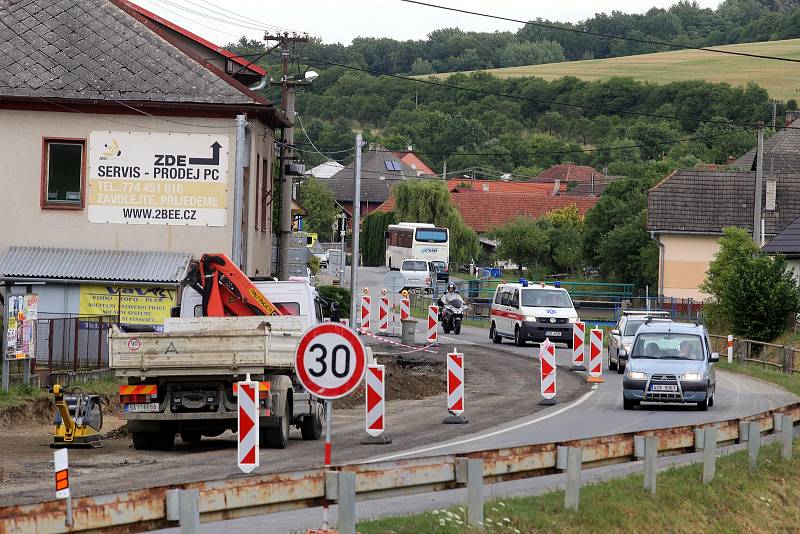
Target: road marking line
(460,340)
(578,402)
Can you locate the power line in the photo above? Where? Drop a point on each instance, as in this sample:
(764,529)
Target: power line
(600,34)
(137,110)
(193,21)
(233,14)
(229,22)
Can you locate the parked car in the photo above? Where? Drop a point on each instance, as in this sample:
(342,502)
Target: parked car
(419,274)
(623,334)
(670,363)
(525,312)
(442,272)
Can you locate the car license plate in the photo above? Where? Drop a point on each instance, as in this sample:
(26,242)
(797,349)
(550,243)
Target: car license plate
(663,387)
(552,333)
(139,408)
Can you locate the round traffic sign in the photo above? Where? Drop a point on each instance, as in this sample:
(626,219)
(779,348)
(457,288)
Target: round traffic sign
(330,360)
(134,344)
(394,281)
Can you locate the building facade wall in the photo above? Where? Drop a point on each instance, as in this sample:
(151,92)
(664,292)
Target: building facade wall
(685,263)
(28,224)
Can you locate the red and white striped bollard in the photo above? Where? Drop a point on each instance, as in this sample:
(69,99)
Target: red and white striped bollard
(578,346)
(375,406)
(366,302)
(248,423)
(547,372)
(595,355)
(455,388)
(433,324)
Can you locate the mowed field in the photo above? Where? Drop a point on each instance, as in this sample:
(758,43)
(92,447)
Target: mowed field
(778,77)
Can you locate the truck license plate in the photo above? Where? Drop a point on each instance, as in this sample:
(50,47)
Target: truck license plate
(663,387)
(552,333)
(139,408)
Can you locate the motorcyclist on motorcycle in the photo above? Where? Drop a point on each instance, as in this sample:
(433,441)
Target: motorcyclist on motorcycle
(451,318)
(451,294)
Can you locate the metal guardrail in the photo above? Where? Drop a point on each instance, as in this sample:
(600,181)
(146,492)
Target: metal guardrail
(262,494)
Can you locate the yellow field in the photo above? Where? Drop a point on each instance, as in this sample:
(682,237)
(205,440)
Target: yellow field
(778,77)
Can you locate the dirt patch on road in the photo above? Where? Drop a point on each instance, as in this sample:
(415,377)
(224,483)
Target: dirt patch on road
(408,377)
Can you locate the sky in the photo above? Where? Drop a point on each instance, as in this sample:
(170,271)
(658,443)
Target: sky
(342,20)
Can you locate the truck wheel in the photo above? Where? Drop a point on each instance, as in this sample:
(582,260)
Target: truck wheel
(311,427)
(494,336)
(191,436)
(163,441)
(142,441)
(457,328)
(612,365)
(277,437)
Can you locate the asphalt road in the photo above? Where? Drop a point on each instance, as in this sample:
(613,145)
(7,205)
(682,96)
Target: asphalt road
(597,413)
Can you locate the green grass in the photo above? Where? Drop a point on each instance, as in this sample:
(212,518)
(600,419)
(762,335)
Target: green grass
(738,500)
(786,381)
(666,67)
(19,394)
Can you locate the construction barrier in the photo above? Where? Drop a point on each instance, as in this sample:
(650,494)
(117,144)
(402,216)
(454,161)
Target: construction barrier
(595,355)
(366,303)
(383,315)
(375,400)
(579,344)
(433,324)
(547,371)
(455,383)
(405,309)
(248,401)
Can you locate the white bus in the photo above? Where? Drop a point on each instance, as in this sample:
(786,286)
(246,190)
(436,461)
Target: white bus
(418,241)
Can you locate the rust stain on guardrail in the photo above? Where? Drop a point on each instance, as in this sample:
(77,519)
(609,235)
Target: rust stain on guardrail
(140,510)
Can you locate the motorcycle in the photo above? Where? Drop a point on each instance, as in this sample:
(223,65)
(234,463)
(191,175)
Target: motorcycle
(451,315)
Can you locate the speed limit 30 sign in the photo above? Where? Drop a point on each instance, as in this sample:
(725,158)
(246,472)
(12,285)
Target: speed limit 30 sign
(330,360)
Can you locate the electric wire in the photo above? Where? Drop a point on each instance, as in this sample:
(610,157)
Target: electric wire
(600,34)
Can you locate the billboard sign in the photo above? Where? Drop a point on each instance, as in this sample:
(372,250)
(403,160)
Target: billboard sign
(158,178)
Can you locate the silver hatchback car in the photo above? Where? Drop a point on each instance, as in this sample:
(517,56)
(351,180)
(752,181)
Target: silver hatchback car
(670,363)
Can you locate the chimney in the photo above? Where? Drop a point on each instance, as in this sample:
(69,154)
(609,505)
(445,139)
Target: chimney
(792,115)
(556,187)
(485,187)
(409,149)
(772,189)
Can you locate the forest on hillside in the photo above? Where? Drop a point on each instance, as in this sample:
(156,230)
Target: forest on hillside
(451,49)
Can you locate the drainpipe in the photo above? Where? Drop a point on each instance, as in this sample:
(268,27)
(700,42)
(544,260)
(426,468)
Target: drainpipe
(238,190)
(654,237)
(260,85)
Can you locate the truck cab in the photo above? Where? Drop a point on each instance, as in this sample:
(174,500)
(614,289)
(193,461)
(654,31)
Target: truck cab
(291,297)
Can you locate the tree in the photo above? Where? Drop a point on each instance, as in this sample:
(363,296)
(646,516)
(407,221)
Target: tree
(565,238)
(428,201)
(752,293)
(373,242)
(320,206)
(421,66)
(523,242)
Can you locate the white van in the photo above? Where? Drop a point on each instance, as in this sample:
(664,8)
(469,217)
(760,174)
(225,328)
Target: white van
(532,312)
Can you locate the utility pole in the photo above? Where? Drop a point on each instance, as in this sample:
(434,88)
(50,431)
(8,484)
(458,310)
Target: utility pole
(444,171)
(288,87)
(759,183)
(354,255)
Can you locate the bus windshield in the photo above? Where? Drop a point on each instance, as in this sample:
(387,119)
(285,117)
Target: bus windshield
(432,235)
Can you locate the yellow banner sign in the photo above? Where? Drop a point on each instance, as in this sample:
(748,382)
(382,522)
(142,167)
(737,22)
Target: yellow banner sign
(133,305)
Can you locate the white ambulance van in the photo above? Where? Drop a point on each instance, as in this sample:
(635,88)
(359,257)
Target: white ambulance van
(531,312)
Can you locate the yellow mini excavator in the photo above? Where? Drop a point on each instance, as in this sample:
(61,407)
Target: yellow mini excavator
(78,420)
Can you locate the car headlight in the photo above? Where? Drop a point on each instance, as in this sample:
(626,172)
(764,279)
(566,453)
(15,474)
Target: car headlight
(530,318)
(692,377)
(572,320)
(636,375)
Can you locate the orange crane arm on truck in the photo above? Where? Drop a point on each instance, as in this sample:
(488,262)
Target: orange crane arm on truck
(226,290)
